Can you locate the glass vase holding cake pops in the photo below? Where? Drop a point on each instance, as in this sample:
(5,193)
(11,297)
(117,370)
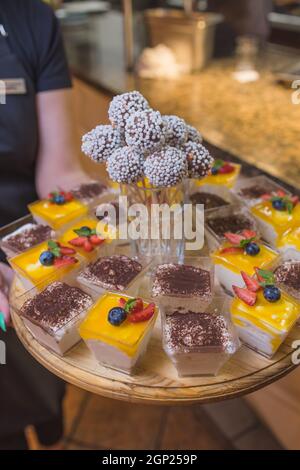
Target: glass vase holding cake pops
(155,218)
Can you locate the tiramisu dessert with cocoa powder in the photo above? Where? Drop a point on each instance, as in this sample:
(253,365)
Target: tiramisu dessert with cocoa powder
(25,237)
(287,276)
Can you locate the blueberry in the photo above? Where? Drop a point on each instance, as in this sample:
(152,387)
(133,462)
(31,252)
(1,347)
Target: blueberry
(214,171)
(279,205)
(47,258)
(272,293)
(252,249)
(59,199)
(116,316)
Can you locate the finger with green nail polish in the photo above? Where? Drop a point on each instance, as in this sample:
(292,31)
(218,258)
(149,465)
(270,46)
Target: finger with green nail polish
(2,322)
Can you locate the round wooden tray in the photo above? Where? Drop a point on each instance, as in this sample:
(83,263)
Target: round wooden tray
(156,380)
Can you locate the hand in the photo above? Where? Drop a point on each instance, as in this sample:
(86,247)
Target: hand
(6,277)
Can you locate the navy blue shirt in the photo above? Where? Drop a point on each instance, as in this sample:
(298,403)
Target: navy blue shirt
(34,37)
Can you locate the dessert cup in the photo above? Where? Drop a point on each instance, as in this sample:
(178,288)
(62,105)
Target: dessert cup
(110,215)
(92,193)
(234,218)
(286,269)
(228,266)
(187,285)
(83,235)
(289,241)
(32,272)
(250,190)
(22,235)
(199,344)
(55,215)
(274,223)
(228,179)
(115,273)
(211,196)
(117,347)
(52,313)
(264,326)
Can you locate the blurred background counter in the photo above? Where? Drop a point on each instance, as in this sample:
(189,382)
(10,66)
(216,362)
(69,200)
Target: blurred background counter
(257,121)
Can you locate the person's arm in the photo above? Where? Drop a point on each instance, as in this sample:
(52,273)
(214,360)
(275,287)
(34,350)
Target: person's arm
(59,146)
(6,276)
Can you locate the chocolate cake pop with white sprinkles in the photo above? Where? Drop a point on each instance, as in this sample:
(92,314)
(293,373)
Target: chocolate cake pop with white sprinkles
(125,165)
(176,131)
(166,168)
(145,131)
(193,134)
(100,142)
(122,106)
(199,160)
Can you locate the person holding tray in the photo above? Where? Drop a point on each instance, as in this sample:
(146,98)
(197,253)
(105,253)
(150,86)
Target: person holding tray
(37,153)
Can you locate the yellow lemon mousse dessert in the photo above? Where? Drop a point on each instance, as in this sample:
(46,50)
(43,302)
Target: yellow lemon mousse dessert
(83,236)
(47,261)
(59,209)
(117,330)
(276,215)
(290,241)
(263,314)
(222,173)
(240,252)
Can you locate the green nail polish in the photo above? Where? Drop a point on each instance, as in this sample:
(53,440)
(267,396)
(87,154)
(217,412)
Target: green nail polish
(2,322)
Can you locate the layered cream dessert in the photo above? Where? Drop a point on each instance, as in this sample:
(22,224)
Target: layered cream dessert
(287,277)
(58,210)
(42,263)
(117,330)
(83,237)
(222,173)
(276,215)
(113,273)
(182,285)
(198,343)
(90,193)
(25,237)
(53,315)
(290,241)
(241,252)
(263,314)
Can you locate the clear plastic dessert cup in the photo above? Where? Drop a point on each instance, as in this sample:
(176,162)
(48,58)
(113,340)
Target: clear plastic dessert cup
(286,269)
(188,284)
(52,313)
(234,218)
(31,272)
(23,234)
(265,325)
(114,273)
(250,190)
(55,215)
(212,196)
(228,266)
(92,193)
(289,241)
(117,347)
(199,344)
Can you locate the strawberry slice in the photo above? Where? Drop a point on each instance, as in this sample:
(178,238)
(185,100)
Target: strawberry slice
(68,196)
(65,250)
(245,295)
(234,238)
(95,240)
(227,168)
(250,282)
(266,197)
(64,261)
(142,315)
(87,246)
(247,233)
(295,200)
(232,250)
(122,302)
(134,305)
(78,241)
(259,278)
(280,193)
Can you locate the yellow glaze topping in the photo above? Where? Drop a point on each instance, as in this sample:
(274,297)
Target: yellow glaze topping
(227,179)
(290,237)
(57,215)
(280,220)
(279,316)
(29,266)
(238,262)
(125,337)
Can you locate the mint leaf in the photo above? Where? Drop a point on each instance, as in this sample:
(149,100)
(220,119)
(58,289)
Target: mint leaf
(218,164)
(129,304)
(267,276)
(56,252)
(94,232)
(52,245)
(246,241)
(83,232)
(289,206)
